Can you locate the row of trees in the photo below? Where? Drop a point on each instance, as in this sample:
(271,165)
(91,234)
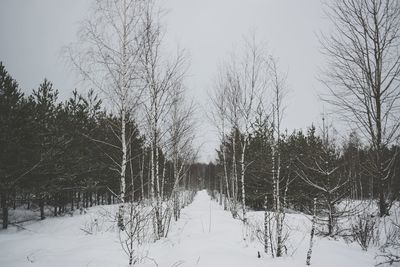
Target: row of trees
(120,52)
(250,127)
(140,141)
(275,170)
(311,165)
(46,156)
(62,155)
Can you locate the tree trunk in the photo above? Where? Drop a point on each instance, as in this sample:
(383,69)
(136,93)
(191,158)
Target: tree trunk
(4,206)
(278,209)
(234,177)
(220,190)
(84,200)
(266,229)
(159,200)
(41,206)
(78,200)
(91,198)
(123,171)
(72,200)
(308,260)
(14,199)
(28,202)
(383,205)
(226,173)
(242,180)
(141,176)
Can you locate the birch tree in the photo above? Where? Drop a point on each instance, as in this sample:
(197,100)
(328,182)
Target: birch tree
(252,84)
(279,91)
(243,82)
(181,136)
(233,118)
(160,75)
(106,56)
(362,77)
(218,117)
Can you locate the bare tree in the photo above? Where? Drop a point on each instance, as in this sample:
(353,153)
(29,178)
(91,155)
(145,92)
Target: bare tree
(390,250)
(363,77)
(225,116)
(161,75)
(106,56)
(135,228)
(218,117)
(252,85)
(279,90)
(233,118)
(180,141)
(241,83)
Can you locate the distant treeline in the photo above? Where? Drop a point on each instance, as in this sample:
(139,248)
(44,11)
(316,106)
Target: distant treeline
(306,160)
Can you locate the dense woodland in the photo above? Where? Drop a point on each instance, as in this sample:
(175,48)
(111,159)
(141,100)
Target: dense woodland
(56,155)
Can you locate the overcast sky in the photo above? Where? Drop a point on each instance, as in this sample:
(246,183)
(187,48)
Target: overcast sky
(32,33)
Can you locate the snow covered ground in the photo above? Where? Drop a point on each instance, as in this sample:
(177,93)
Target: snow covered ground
(206,235)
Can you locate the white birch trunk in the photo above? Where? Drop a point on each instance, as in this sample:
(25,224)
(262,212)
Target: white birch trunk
(279,215)
(308,260)
(266,237)
(226,173)
(242,180)
(123,173)
(234,177)
(142,176)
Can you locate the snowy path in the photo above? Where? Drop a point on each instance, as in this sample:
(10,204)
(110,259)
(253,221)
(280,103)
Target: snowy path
(206,235)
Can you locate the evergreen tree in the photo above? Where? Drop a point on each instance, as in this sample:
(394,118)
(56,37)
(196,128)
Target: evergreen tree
(49,144)
(15,136)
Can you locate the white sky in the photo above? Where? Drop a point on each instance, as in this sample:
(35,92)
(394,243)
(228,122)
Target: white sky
(33,32)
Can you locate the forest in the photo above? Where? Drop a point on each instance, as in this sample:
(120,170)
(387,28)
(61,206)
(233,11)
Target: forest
(120,153)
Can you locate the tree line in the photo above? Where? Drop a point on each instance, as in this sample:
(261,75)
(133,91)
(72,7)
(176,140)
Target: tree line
(312,165)
(127,141)
(60,155)
(259,165)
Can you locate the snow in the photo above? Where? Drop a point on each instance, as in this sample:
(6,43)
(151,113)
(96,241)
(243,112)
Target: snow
(205,235)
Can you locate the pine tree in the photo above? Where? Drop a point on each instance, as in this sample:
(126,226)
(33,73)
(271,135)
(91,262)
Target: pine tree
(15,154)
(49,144)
